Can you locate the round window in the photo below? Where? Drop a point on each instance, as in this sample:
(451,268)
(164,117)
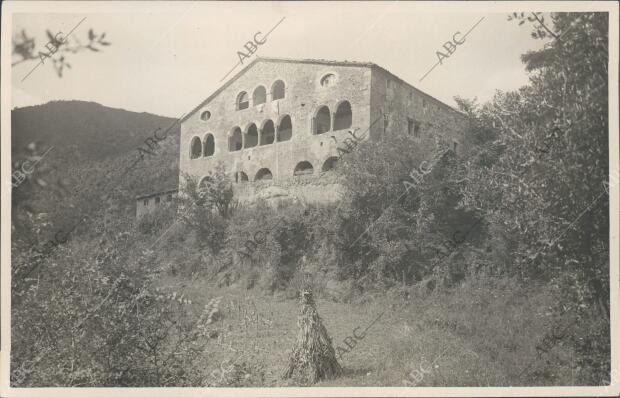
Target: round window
(328,80)
(206,115)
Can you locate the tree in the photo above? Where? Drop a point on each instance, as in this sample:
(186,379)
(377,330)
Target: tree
(400,205)
(206,205)
(539,175)
(551,138)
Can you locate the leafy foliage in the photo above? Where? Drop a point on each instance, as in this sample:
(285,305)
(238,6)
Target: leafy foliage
(154,222)
(201,207)
(93,318)
(24,48)
(544,191)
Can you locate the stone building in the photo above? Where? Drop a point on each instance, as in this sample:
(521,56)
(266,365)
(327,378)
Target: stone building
(150,202)
(277,123)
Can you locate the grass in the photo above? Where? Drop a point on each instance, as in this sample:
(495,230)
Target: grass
(479,334)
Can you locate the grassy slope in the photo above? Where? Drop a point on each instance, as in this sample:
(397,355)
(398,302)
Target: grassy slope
(473,336)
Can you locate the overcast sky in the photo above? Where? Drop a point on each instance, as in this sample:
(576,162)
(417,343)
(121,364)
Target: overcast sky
(165,58)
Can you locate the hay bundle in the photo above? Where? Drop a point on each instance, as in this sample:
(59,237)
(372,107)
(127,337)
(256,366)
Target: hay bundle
(313,356)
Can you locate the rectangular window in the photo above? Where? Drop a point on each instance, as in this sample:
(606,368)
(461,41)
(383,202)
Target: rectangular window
(413,127)
(424,105)
(169,197)
(157,200)
(145,202)
(454,145)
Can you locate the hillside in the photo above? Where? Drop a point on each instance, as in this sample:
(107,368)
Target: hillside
(83,173)
(97,132)
(88,135)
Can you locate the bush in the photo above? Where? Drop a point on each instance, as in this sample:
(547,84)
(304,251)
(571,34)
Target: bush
(154,222)
(206,208)
(77,326)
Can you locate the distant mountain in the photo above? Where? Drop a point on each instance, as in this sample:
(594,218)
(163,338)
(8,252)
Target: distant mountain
(97,132)
(90,142)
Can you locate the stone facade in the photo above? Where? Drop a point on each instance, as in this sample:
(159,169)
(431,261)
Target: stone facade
(148,203)
(409,109)
(250,133)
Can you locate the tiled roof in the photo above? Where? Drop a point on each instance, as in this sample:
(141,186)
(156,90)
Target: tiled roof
(157,193)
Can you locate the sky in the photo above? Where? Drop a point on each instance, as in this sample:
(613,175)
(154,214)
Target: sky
(166,58)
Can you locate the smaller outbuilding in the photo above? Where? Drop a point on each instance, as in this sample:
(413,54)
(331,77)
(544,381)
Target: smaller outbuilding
(150,202)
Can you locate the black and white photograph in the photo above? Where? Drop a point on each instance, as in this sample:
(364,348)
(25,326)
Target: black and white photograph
(309,199)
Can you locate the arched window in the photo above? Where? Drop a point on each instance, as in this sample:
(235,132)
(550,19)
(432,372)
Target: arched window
(330,163)
(267,133)
(195,148)
(235,139)
(303,168)
(343,117)
(243,101)
(250,138)
(209,145)
(240,176)
(259,96)
(263,174)
(285,129)
(321,122)
(277,90)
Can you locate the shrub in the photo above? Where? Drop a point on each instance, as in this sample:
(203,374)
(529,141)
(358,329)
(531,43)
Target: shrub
(154,222)
(206,209)
(77,326)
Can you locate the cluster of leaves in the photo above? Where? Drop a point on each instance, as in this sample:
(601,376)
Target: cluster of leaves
(86,313)
(155,221)
(550,205)
(92,317)
(24,48)
(278,239)
(206,205)
(392,222)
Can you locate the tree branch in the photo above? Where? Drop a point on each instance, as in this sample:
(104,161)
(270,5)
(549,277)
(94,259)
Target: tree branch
(556,37)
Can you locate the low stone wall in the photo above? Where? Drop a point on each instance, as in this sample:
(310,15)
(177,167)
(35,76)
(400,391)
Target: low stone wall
(305,189)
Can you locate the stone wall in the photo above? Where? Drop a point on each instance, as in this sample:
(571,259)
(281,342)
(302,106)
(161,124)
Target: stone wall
(401,101)
(318,188)
(372,92)
(303,96)
(145,204)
